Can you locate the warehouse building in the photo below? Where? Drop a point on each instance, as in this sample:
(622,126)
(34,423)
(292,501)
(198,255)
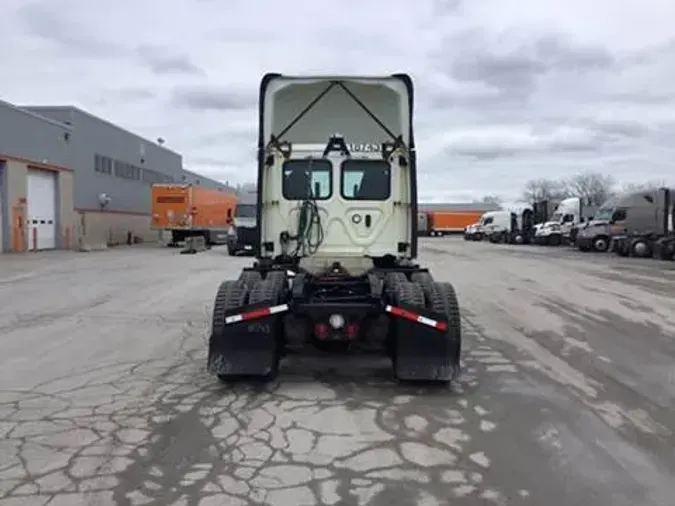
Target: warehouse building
(190,177)
(113,171)
(36,180)
(68,178)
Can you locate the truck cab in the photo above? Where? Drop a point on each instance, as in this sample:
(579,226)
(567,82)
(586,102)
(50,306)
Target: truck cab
(563,223)
(242,234)
(629,223)
(639,220)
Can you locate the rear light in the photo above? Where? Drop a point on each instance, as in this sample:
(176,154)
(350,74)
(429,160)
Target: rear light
(193,210)
(352,330)
(321,330)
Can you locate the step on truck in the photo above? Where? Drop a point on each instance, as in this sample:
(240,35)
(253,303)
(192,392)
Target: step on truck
(337,216)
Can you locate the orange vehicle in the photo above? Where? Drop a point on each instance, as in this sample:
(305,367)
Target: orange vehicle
(450,222)
(188,210)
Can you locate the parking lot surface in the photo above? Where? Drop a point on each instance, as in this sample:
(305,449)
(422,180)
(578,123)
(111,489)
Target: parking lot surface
(565,398)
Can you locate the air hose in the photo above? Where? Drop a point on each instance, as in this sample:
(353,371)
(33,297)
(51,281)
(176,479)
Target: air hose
(310,232)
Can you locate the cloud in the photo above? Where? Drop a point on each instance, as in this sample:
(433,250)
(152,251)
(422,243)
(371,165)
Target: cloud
(202,98)
(57,28)
(161,61)
(504,92)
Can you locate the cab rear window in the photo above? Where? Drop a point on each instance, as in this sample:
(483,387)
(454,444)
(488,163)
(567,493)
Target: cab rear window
(366,180)
(170,199)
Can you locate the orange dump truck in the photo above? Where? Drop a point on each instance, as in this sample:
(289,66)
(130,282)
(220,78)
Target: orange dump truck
(451,222)
(187,210)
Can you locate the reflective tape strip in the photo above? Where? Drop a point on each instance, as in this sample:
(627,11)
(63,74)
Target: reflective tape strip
(257,313)
(409,315)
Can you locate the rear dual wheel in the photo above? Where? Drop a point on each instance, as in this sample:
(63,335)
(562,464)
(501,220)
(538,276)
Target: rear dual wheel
(423,292)
(249,289)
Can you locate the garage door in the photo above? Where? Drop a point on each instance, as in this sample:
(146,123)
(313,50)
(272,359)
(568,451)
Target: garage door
(42,208)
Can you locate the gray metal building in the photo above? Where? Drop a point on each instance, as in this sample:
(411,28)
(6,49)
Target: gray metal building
(114,170)
(108,159)
(197,179)
(70,178)
(36,182)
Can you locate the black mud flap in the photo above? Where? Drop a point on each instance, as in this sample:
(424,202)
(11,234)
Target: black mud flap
(245,348)
(424,352)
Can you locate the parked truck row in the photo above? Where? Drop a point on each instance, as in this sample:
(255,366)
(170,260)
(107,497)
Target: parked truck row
(635,224)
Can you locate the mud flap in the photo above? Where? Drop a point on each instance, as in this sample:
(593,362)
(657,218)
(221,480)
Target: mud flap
(245,348)
(424,352)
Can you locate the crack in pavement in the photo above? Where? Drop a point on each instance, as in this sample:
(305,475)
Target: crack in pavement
(310,438)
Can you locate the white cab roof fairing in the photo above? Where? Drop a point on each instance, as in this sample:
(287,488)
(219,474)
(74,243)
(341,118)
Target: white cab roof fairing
(284,98)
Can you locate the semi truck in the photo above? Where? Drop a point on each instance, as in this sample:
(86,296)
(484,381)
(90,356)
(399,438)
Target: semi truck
(440,223)
(561,227)
(490,223)
(642,221)
(629,223)
(243,232)
(336,270)
(189,210)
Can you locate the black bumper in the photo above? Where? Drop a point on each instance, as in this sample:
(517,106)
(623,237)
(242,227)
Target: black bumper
(245,239)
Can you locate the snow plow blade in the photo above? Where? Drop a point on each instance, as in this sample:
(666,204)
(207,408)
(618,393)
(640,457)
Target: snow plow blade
(247,342)
(427,347)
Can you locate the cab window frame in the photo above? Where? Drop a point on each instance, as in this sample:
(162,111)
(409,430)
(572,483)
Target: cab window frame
(318,165)
(345,169)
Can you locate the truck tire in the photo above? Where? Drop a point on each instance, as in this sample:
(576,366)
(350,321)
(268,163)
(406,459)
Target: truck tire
(249,278)
(231,294)
(268,291)
(410,293)
(640,248)
(427,355)
(601,244)
(392,280)
(425,280)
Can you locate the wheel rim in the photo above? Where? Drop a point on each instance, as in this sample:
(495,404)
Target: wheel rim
(600,244)
(640,248)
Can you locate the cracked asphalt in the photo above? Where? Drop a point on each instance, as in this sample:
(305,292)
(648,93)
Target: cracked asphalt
(566,396)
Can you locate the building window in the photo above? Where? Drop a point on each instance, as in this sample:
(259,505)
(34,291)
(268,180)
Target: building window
(127,171)
(103,164)
(154,177)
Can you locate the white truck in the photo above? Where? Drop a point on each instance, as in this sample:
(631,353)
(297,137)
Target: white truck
(568,215)
(335,268)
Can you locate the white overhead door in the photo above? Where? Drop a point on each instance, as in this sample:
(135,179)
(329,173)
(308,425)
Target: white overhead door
(41,209)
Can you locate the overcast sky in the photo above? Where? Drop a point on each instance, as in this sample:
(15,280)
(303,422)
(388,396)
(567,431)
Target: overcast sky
(506,91)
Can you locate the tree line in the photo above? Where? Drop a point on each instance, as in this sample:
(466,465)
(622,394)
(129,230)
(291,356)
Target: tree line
(593,188)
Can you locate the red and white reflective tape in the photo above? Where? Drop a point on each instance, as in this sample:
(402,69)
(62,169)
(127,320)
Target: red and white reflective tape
(256,313)
(409,315)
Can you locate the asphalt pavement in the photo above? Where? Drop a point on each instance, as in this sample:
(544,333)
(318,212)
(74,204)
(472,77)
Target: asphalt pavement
(566,396)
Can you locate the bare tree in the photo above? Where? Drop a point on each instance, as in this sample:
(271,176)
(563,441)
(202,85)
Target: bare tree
(593,188)
(543,189)
(493,200)
(646,186)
